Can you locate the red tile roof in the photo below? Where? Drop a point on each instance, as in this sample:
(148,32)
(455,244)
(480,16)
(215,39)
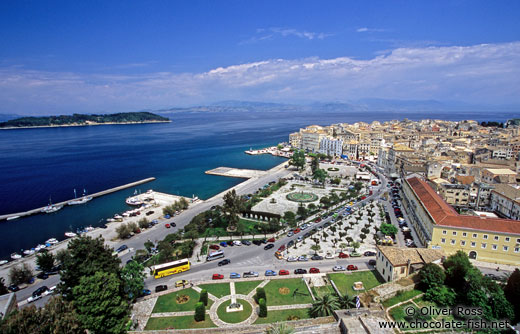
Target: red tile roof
(443,214)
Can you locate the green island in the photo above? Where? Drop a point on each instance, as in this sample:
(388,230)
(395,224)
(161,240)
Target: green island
(83,120)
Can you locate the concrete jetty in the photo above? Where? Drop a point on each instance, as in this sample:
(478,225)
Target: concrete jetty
(236,172)
(98,194)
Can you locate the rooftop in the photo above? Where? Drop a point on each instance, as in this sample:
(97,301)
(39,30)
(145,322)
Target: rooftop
(399,256)
(501,171)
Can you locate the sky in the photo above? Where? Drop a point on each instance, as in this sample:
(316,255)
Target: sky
(60,57)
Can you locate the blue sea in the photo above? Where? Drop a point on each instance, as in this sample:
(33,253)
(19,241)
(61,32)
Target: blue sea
(37,165)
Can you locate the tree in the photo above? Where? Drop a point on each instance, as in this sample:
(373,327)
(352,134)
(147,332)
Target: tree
(99,303)
(320,175)
(324,306)
(312,207)
(512,292)
(362,236)
(20,274)
(204,297)
(200,312)
(441,294)
(191,234)
(45,261)
(123,231)
(133,279)
(431,275)
(143,223)
(290,218)
(298,159)
(325,201)
(342,246)
(302,211)
(148,244)
(85,257)
(262,308)
(3,288)
(315,164)
(355,245)
(315,248)
(456,266)
(232,207)
(388,229)
(346,302)
(260,294)
(279,328)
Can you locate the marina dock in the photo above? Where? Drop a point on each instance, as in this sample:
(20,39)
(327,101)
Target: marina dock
(98,194)
(236,172)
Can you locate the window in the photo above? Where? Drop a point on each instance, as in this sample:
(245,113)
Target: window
(444,232)
(464,234)
(453,241)
(484,245)
(485,236)
(518,241)
(463,243)
(454,233)
(506,248)
(494,247)
(402,270)
(517,249)
(443,240)
(507,239)
(474,235)
(383,271)
(496,238)
(473,244)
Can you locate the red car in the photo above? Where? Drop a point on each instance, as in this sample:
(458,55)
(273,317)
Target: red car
(296,231)
(317,220)
(218,276)
(281,248)
(363,197)
(167,225)
(343,255)
(215,247)
(314,271)
(283,272)
(271,240)
(351,267)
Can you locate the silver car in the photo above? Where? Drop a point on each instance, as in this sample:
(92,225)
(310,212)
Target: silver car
(338,268)
(303,258)
(292,259)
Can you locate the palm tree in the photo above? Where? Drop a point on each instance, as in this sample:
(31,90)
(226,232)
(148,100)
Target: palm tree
(346,302)
(324,306)
(279,328)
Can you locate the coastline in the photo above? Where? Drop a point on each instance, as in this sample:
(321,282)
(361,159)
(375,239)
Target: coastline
(79,125)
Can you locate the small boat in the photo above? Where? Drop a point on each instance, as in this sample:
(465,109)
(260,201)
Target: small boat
(118,217)
(39,247)
(70,234)
(111,220)
(89,228)
(134,201)
(2,262)
(82,200)
(16,256)
(29,251)
(12,217)
(51,241)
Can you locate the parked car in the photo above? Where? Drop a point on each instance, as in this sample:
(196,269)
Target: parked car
(217,276)
(352,267)
(317,257)
(42,275)
(300,239)
(271,240)
(290,233)
(300,271)
(224,262)
(329,256)
(268,246)
(13,288)
(343,255)
(121,248)
(292,259)
(355,254)
(290,243)
(281,248)
(283,272)
(215,247)
(270,273)
(160,288)
(314,271)
(372,262)
(234,275)
(257,242)
(250,274)
(167,225)
(369,253)
(246,242)
(338,268)
(230,243)
(223,244)
(237,243)
(297,230)
(146,292)
(303,258)
(182,283)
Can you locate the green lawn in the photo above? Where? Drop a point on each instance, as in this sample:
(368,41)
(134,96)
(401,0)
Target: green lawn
(278,295)
(323,290)
(217,289)
(250,227)
(243,288)
(401,297)
(234,317)
(345,281)
(168,303)
(184,322)
(284,315)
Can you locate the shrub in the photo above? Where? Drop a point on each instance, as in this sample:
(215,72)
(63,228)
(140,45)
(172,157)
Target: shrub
(133,227)
(260,294)
(143,223)
(263,308)
(123,231)
(19,275)
(200,312)
(204,297)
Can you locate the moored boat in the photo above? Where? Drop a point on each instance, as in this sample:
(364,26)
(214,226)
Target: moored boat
(2,262)
(70,234)
(39,247)
(111,220)
(82,200)
(52,241)
(29,251)
(12,217)
(15,256)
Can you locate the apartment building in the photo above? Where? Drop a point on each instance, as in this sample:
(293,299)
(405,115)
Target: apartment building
(505,200)
(498,175)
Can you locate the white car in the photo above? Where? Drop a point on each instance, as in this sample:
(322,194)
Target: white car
(33,298)
(292,259)
(237,243)
(303,258)
(300,239)
(290,234)
(329,256)
(338,268)
(304,227)
(50,291)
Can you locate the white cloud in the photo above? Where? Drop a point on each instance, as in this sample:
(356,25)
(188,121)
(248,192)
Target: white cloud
(485,73)
(270,33)
(366,29)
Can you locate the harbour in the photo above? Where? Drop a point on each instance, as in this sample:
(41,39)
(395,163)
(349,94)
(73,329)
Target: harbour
(18,215)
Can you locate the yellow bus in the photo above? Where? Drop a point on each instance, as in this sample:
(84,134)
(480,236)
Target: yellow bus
(170,268)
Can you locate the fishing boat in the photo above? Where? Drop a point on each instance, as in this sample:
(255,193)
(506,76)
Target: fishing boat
(2,262)
(51,208)
(51,241)
(70,234)
(111,220)
(134,200)
(16,256)
(29,251)
(39,247)
(82,200)
(89,228)
(12,217)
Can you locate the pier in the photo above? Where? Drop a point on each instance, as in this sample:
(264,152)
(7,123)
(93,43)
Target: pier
(98,194)
(236,172)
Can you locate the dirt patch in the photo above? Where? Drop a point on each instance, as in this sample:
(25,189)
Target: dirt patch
(182,299)
(293,317)
(284,291)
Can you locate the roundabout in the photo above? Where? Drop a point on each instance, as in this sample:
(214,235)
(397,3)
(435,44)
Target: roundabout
(302,197)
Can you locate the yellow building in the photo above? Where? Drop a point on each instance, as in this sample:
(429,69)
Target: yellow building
(439,226)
